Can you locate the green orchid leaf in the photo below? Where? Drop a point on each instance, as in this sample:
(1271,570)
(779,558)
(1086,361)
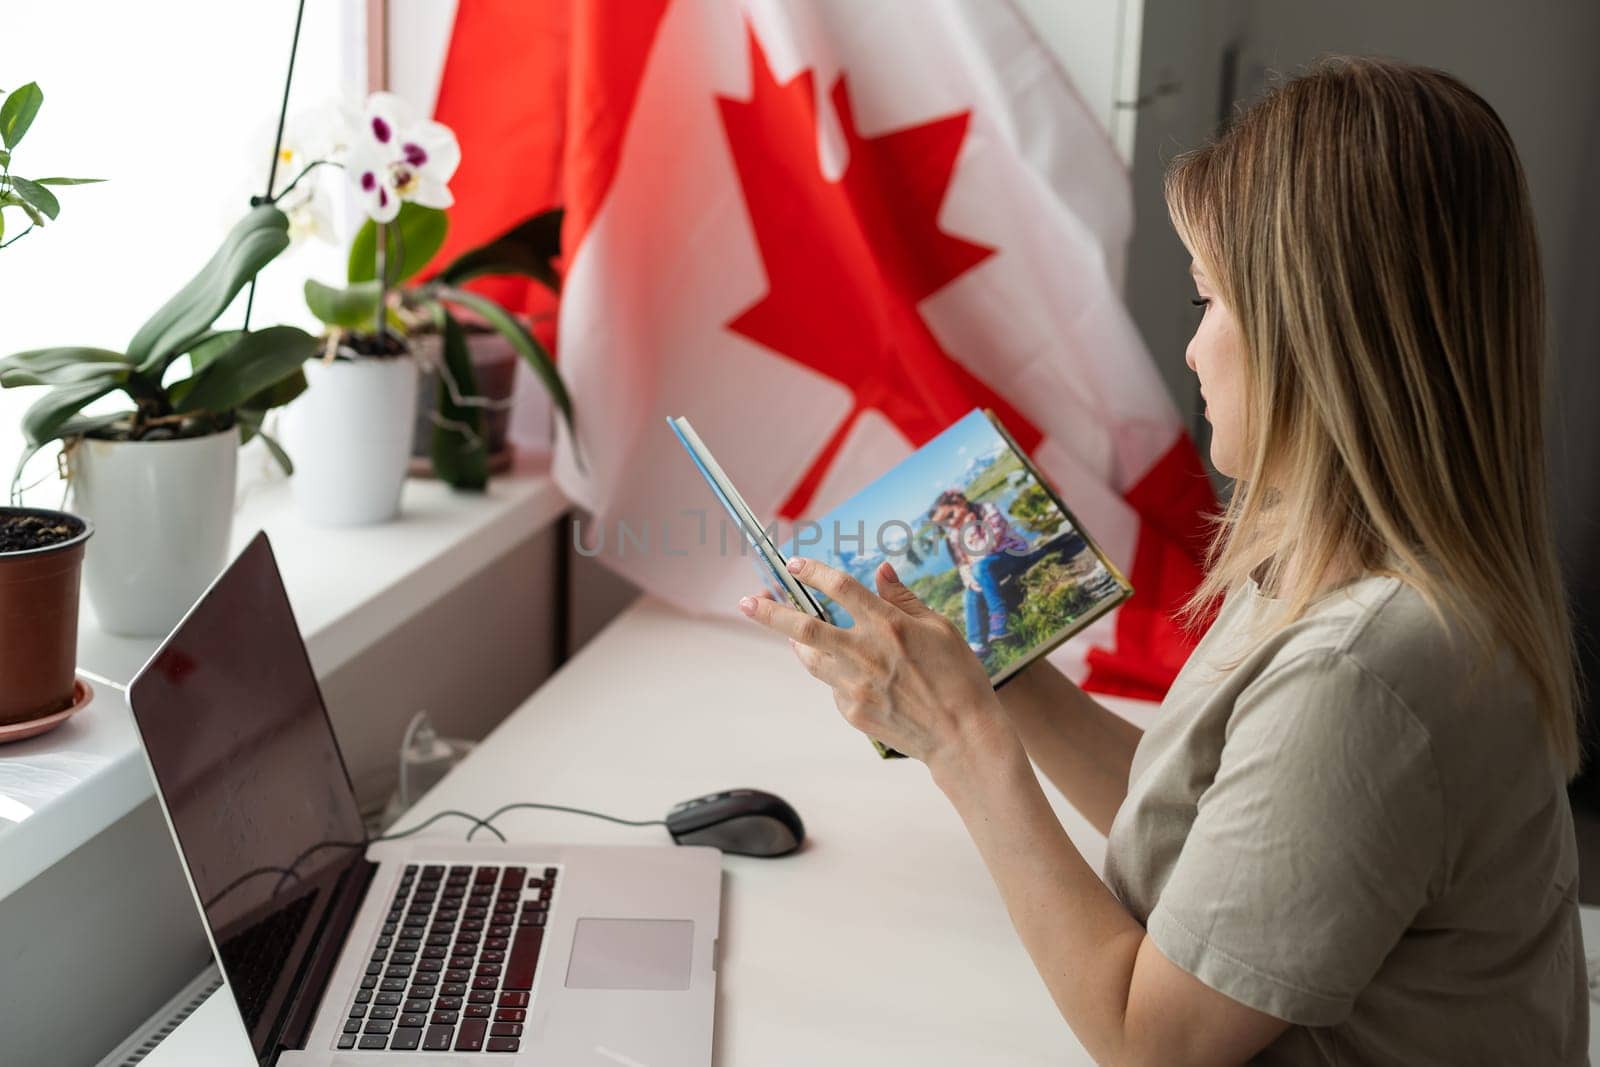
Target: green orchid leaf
(77,426)
(43,421)
(526,345)
(37,195)
(460,457)
(410,242)
(254,362)
(209,345)
(9,199)
(254,242)
(355,308)
(250,425)
(5,158)
(83,425)
(71,374)
(276,395)
(527,250)
(46,361)
(277,451)
(69,181)
(17,113)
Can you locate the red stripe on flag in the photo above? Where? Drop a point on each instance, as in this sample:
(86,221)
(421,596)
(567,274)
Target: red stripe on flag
(503,92)
(1151,647)
(610,51)
(539,94)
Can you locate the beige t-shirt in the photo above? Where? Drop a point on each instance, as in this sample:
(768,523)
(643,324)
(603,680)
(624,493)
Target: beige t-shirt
(1338,833)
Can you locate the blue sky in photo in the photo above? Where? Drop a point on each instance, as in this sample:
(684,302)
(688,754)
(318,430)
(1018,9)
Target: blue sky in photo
(948,461)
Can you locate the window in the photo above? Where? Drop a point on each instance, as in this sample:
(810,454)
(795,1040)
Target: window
(174,105)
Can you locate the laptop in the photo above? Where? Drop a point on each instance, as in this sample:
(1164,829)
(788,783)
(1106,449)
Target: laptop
(340,950)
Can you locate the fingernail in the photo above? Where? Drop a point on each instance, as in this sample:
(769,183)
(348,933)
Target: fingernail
(795,564)
(747,605)
(893,577)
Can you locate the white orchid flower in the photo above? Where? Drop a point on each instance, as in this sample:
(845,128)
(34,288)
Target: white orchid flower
(395,156)
(308,137)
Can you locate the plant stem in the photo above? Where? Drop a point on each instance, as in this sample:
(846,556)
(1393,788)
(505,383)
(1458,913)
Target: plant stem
(380,268)
(18,237)
(277,140)
(287,189)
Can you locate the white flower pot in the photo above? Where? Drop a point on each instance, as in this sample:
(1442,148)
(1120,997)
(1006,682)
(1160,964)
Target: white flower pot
(349,435)
(163,516)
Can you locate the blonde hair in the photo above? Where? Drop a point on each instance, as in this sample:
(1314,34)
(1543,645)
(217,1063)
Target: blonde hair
(1369,227)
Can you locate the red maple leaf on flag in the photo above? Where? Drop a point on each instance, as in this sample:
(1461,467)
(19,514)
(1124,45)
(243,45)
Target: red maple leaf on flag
(848,261)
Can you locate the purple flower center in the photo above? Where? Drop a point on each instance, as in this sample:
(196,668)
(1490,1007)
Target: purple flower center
(368,181)
(414,154)
(383,198)
(380,130)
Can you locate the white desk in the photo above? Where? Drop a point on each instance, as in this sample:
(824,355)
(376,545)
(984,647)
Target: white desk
(882,942)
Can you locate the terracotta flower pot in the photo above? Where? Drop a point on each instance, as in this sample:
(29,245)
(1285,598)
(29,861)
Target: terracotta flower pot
(39,616)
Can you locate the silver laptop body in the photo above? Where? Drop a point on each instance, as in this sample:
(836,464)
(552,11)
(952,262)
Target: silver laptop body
(337,950)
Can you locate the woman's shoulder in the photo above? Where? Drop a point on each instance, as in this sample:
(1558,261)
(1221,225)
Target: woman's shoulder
(1427,658)
(1386,638)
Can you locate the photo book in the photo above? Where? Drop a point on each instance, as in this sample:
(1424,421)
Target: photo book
(968,523)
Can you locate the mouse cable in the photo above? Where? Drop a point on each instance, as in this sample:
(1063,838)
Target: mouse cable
(477,824)
(488,821)
(292,871)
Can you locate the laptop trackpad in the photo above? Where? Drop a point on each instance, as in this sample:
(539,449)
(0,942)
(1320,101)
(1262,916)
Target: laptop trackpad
(631,954)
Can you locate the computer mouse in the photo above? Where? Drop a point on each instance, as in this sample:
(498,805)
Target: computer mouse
(746,822)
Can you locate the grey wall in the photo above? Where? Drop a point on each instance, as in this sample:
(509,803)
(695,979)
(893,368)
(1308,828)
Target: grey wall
(1185,86)
(469,659)
(1533,61)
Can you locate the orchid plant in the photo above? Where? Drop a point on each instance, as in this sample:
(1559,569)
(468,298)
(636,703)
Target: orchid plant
(233,376)
(399,168)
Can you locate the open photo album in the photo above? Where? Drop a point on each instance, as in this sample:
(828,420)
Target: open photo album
(968,523)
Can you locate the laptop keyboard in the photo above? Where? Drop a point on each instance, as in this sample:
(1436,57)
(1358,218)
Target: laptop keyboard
(454,964)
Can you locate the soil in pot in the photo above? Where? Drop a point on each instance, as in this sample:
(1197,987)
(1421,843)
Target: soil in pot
(23,533)
(373,346)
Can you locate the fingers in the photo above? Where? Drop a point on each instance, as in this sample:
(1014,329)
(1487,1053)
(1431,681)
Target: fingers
(857,599)
(793,624)
(896,592)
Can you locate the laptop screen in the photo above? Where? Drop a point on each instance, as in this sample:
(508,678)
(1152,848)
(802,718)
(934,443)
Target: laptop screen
(253,782)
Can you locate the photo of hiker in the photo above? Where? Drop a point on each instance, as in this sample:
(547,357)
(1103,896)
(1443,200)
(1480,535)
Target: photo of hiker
(996,553)
(975,536)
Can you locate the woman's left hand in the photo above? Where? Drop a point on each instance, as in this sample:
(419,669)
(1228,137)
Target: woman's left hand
(902,674)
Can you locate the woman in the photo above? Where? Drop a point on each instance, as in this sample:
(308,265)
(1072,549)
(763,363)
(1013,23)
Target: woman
(1346,839)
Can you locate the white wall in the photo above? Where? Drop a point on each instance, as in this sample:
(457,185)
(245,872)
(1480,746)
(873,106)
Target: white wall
(174,103)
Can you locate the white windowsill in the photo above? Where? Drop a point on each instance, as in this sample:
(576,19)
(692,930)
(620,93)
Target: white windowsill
(349,588)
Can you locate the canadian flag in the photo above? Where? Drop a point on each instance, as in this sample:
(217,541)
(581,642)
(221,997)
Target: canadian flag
(824,230)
